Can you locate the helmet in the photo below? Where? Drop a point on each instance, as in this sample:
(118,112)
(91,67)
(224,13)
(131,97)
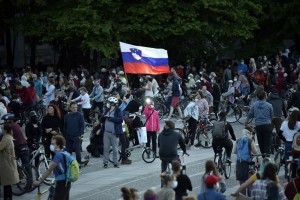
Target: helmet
(32,115)
(112,100)
(8,116)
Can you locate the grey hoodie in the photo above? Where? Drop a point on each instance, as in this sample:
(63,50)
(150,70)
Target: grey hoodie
(262,111)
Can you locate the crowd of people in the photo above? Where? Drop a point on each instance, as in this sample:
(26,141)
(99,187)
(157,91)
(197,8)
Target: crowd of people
(111,102)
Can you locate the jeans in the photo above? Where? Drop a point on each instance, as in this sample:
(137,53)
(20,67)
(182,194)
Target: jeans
(246,91)
(62,190)
(73,143)
(264,138)
(110,139)
(151,136)
(193,127)
(22,152)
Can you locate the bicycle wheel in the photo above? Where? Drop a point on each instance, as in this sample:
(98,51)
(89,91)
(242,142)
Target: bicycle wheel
(278,159)
(42,167)
(148,155)
(205,140)
(34,175)
(161,109)
(21,187)
(182,133)
(111,157)
(231,112)
(226,166)
(238,114)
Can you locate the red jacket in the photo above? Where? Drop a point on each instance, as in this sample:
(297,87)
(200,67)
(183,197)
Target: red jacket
(152,124)
(25,95)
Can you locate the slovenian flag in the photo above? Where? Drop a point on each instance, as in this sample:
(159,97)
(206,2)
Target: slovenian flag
(144,60)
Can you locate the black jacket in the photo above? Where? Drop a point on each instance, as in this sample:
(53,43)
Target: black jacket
(277,104)
(168,141)
(295,100)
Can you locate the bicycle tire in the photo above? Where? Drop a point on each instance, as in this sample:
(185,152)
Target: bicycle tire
(226,166)
(181,132)
(21,187)
(43,166)
(110,156)
(148,155)
(161,109)
(238,114)
(34,176)
(278,159)
(204,140)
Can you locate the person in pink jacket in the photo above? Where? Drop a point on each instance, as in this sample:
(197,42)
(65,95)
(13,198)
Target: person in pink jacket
(152,125)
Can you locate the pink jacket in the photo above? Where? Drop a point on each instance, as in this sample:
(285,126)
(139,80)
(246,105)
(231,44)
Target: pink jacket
(153,123)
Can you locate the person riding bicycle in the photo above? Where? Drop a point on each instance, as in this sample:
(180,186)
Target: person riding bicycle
(287,131)
(26,96)
(58,165)
(221,137)
(20,143)
(168,141)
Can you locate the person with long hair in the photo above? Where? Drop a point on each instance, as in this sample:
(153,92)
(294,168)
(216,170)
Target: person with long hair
(129,193)
(51,125)
(287,131)
(210,169)
(267,187)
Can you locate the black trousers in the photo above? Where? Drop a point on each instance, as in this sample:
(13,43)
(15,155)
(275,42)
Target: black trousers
(123,142)
(7,190)
(151,135)
(86,115)
(193,127)
(74,144)
(98,105)
(216,108)
(62,190)
(264,138)
(48,152)
(226,143)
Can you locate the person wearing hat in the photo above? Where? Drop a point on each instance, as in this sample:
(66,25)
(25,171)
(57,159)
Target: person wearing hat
(220,140)
(211,185)
(168,141)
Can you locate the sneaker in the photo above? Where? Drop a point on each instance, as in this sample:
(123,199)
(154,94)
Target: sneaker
(116,166)
(167,119)
(105,166)
(126,162)
(193,147)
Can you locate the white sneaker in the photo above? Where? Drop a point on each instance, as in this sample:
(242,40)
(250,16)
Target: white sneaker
(167,119)
(193,147)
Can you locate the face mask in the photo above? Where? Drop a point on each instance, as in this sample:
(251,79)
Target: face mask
(115,86)
(174,184)
(235,80)
(108,105)
(82,75)
(189,78)
(141,80)
(242,63)
(201,79)
(52,148)
(3,87)
(34,119)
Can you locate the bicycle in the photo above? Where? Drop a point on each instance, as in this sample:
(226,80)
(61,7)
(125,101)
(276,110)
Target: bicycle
(220,159)
(25,181)
(242,110)
(203,132)
(50,190)
(148,155)
(231,110)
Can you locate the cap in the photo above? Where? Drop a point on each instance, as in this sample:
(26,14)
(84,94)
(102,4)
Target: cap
(210,180)
(230,81)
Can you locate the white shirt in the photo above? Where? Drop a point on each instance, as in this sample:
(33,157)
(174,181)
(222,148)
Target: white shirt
(155,87)
(84,101)
(288,133)
(49,95)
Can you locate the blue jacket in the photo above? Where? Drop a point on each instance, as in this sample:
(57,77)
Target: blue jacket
(118,120)
(262,111)
(211,194)
(74,124)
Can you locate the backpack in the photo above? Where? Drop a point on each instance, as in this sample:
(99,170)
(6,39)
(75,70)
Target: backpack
(297,196)
(296,144)
(243,146)
(72,166)
(218,131)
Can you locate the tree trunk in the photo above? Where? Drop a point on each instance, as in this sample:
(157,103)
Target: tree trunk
(32,52)
(9,50)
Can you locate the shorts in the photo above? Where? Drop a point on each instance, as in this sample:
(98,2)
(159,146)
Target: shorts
(175,102)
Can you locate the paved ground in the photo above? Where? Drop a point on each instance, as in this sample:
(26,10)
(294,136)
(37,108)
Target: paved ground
(96,183)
